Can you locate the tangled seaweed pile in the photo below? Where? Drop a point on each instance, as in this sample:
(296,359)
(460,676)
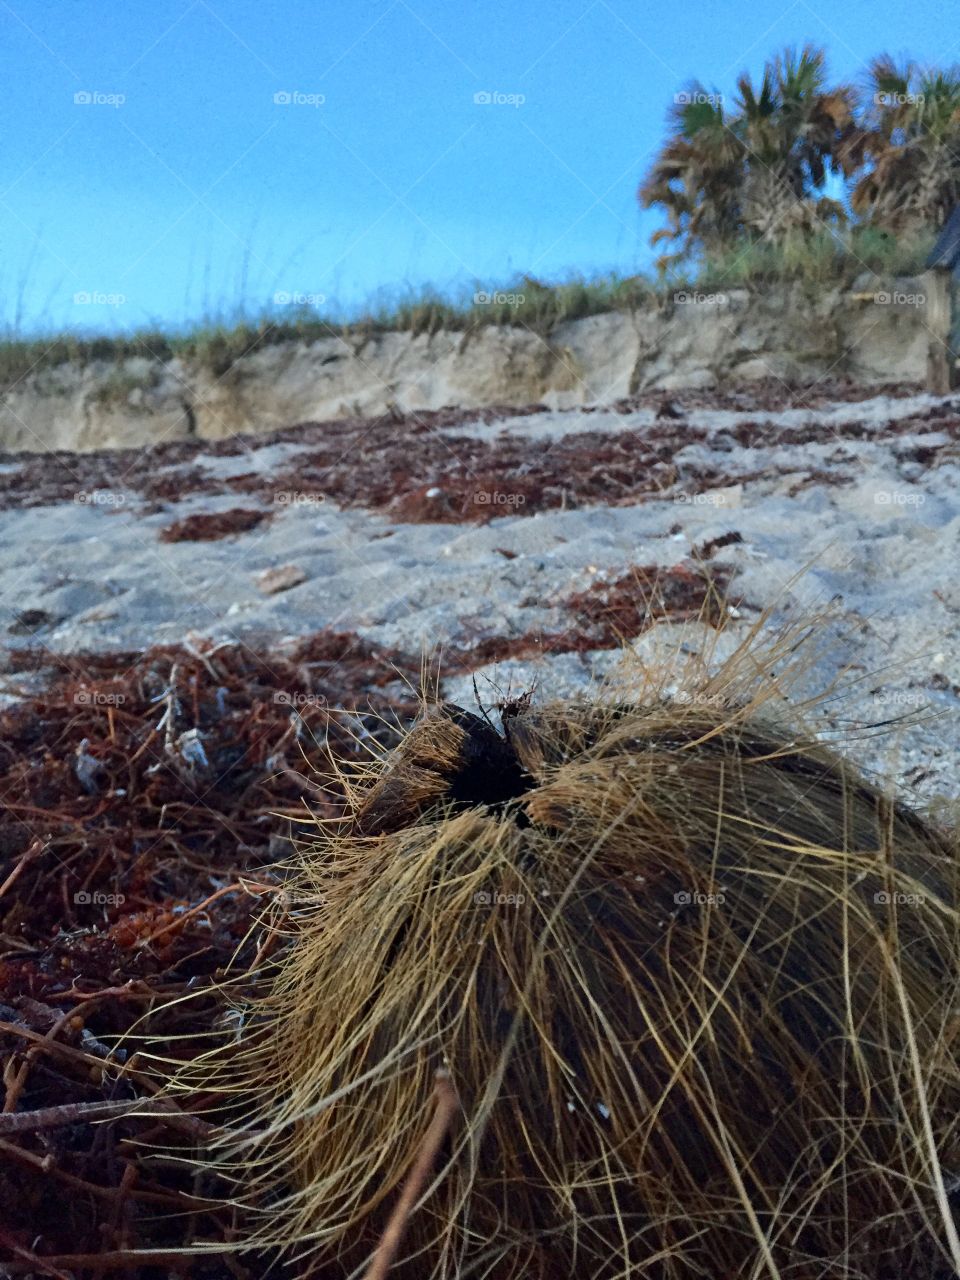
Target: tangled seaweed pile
(145,799)
(691,976)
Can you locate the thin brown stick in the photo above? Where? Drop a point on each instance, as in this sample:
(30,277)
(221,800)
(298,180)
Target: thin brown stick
(128,991)
(21,865)
(175,924)
(53,1047)
(47,1164)
(447,1106)
(18,1084)
(44,1265)
(83,1112)
(66,1113)
(126,1259)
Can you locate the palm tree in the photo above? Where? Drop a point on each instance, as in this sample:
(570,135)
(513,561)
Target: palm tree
(757,172)
(911,141)
(791,129)
(697,176)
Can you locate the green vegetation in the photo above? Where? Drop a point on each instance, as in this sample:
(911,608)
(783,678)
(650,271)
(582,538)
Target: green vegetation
(218,345)
(749,184)
(819,258)
(531,304)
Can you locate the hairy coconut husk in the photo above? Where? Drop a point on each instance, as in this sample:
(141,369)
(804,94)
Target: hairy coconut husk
(693,978)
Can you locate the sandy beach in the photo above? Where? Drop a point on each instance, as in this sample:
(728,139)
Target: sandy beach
(847,504)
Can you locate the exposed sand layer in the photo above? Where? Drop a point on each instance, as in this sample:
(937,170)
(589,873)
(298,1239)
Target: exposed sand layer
(877,332)
(383,523)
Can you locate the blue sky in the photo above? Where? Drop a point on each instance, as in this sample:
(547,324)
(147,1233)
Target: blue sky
(184,188)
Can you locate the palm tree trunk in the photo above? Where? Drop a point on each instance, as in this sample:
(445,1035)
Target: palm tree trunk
(941,362)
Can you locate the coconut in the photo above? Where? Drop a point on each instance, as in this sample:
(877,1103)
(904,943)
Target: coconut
(692,977)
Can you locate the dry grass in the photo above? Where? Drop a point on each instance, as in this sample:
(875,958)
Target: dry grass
(218,342)
(691,975)
(819,261)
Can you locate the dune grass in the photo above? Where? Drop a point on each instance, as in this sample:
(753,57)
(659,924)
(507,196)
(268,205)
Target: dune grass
(218,342)
(819,261)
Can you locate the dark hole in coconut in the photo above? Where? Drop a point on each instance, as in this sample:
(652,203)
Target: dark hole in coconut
(453,757)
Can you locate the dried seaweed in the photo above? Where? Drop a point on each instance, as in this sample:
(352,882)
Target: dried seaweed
(145,799)
(412,466)
(209,526)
